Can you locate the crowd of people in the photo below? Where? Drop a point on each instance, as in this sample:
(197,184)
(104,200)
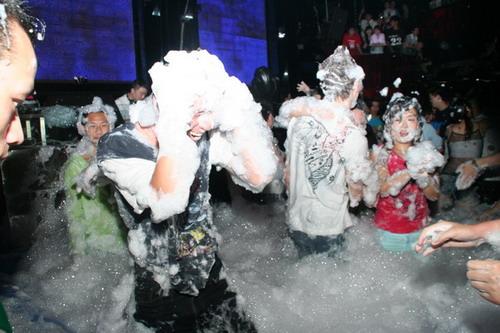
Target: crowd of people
(383,33)
(148,178)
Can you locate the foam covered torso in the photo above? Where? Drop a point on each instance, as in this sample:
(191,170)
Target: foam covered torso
(407,211)
(183,245)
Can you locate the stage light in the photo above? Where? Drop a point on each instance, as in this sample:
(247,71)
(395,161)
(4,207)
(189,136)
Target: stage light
(156,11)
(281,32)
(187,17)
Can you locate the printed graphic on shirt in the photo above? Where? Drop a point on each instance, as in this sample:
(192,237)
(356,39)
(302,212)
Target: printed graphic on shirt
(322,150)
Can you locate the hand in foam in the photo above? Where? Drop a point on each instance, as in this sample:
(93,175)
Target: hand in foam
(423,158)
(484,276)
(447,234)
(467,174)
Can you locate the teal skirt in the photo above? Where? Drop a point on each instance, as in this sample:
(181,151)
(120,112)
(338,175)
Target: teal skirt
(397,242)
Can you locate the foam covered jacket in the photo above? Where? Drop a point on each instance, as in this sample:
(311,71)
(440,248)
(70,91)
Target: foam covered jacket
(179,251)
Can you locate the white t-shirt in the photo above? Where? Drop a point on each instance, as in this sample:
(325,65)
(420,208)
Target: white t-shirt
(319,153)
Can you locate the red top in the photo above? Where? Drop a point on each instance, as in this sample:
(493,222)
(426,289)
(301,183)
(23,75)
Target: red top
(350,41)
(407,211)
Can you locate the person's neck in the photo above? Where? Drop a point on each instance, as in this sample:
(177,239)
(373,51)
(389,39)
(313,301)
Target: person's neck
(130,97)
(344,103)
(148,134)
(401,148)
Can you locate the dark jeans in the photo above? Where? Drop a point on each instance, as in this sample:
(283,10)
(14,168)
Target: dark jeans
(213,309)
(308,244)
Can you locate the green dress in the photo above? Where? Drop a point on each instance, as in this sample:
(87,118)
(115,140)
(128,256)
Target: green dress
(94,223)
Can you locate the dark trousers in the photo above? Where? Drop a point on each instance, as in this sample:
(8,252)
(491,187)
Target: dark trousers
(308,244)
(213,309)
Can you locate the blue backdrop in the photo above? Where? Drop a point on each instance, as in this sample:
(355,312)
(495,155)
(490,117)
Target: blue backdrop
(90,38)
(235,31)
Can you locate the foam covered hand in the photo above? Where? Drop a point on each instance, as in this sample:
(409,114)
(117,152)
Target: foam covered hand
(235,105)
(467,174)
(447,234)
(86,182)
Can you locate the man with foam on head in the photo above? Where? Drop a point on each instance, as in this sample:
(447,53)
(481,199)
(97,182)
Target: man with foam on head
(328,165)
(160,162)
(94,223)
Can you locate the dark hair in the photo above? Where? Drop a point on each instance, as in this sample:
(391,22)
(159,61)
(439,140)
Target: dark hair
(16,11)
(139,84)
(394,18)
(369,102)
(315,91)
(267,110)
(444,92)
(458,114)
(426,111)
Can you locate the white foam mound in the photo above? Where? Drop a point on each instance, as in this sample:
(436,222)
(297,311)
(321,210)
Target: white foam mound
(196,81)
(423,157)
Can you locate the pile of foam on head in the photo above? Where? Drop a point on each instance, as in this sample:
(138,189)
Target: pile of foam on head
(189,83)
(338,75)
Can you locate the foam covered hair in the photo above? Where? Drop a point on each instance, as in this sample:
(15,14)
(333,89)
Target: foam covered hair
(337,74)
(396,107)
(96,106)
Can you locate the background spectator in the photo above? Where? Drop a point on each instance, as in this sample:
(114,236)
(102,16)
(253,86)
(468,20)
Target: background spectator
(377,41)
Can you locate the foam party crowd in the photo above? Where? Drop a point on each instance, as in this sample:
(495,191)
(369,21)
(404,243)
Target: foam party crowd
(194,203)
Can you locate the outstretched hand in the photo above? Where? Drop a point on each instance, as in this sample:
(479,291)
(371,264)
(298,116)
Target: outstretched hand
(303,87)
(484,275)
(447,234)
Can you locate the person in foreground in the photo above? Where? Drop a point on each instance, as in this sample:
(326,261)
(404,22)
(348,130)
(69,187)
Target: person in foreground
(160,164)
(406,168)
(328,166)
(18,66)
